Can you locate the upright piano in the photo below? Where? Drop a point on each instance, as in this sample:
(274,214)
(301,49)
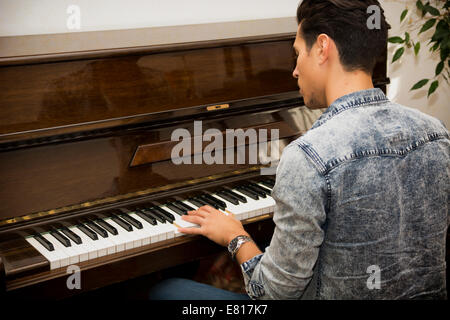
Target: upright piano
(89,179)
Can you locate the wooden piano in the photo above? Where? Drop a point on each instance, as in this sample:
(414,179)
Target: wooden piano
(88,136)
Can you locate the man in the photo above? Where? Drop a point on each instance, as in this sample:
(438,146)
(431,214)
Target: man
(362,197)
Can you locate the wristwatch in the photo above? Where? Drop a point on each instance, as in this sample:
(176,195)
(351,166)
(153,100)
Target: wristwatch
(236,243)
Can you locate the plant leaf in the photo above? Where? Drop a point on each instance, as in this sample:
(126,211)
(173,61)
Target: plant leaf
(433,87)
(435,47)
(439,67)
(445,52)
(432,10)
(407,37)
(395,40)
(419,84)
(398,54)
(417,48)
(442,31)
(419,5)
(403,15)
(427,25)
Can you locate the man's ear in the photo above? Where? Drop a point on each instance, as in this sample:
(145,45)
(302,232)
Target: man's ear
(323,47)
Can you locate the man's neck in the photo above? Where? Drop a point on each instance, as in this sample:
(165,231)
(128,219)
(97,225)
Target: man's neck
(343,83)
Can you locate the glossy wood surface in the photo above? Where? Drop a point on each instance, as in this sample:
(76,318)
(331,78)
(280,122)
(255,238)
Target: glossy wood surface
(58,175)
(55,94)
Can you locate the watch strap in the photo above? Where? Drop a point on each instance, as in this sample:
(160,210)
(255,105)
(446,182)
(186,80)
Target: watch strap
(236,243)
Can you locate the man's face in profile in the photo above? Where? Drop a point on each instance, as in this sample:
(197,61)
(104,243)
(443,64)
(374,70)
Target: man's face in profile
(307,73)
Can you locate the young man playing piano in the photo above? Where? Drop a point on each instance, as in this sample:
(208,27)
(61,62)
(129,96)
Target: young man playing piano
(362,197)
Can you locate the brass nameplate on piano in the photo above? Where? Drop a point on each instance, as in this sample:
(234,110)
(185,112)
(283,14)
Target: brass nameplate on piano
(218,107)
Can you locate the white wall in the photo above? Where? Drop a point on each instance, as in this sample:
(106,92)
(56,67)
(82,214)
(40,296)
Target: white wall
(405,72)
(28,17)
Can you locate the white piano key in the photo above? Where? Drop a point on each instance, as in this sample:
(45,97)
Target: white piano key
(270,201)
(108,246)
(123,236)
(180,222)
(100,245)
(87,246)
(238,211)
(116,239)
(133,235)
(59,249)
(104,246)
(73,251)
(252,206)
(52,257)
(146,232)
(189,204)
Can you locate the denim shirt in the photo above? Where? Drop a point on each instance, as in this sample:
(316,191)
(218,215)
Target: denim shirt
(362,207)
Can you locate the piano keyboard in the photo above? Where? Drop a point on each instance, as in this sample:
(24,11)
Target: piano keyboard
(124,229)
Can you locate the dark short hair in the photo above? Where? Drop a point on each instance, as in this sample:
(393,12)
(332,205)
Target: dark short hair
(345,21)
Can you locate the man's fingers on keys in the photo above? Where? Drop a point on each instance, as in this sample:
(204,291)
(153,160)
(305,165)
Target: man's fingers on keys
(193,230)
(208,209)
(193,219)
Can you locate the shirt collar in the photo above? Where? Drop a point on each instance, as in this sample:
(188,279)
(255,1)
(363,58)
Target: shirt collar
(351,100)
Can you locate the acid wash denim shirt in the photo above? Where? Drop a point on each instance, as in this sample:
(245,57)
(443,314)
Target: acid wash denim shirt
(362,207)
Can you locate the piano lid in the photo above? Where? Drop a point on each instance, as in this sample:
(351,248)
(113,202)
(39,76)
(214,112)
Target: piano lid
(47,97)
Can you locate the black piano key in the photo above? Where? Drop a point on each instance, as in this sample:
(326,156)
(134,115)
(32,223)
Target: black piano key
(131,220)
(61,238)
(153,214)
(247,192)
(122,223)
(47,244)
(71,235)
(105,225)
(227,197)
(169,217)
(222,204)
(196,202)
(91,234)
(146,217)
(260,193)
(181,204)
(208,201)
(268,183)
(96,228)
(176,209)
(266,190)
(234,194)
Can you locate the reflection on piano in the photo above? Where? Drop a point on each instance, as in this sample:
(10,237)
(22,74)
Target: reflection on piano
(85,156)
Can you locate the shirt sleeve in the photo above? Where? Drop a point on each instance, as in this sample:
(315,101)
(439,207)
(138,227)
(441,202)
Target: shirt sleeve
(286,268)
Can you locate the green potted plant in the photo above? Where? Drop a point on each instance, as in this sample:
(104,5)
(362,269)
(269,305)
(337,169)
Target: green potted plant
(433,15)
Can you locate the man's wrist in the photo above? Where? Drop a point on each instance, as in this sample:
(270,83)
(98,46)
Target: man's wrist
(236,243)
(234,235)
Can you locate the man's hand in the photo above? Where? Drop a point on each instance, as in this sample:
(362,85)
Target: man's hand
(214,224)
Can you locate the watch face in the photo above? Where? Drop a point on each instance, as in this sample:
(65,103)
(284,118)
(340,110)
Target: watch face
(236,243)
(232,244)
